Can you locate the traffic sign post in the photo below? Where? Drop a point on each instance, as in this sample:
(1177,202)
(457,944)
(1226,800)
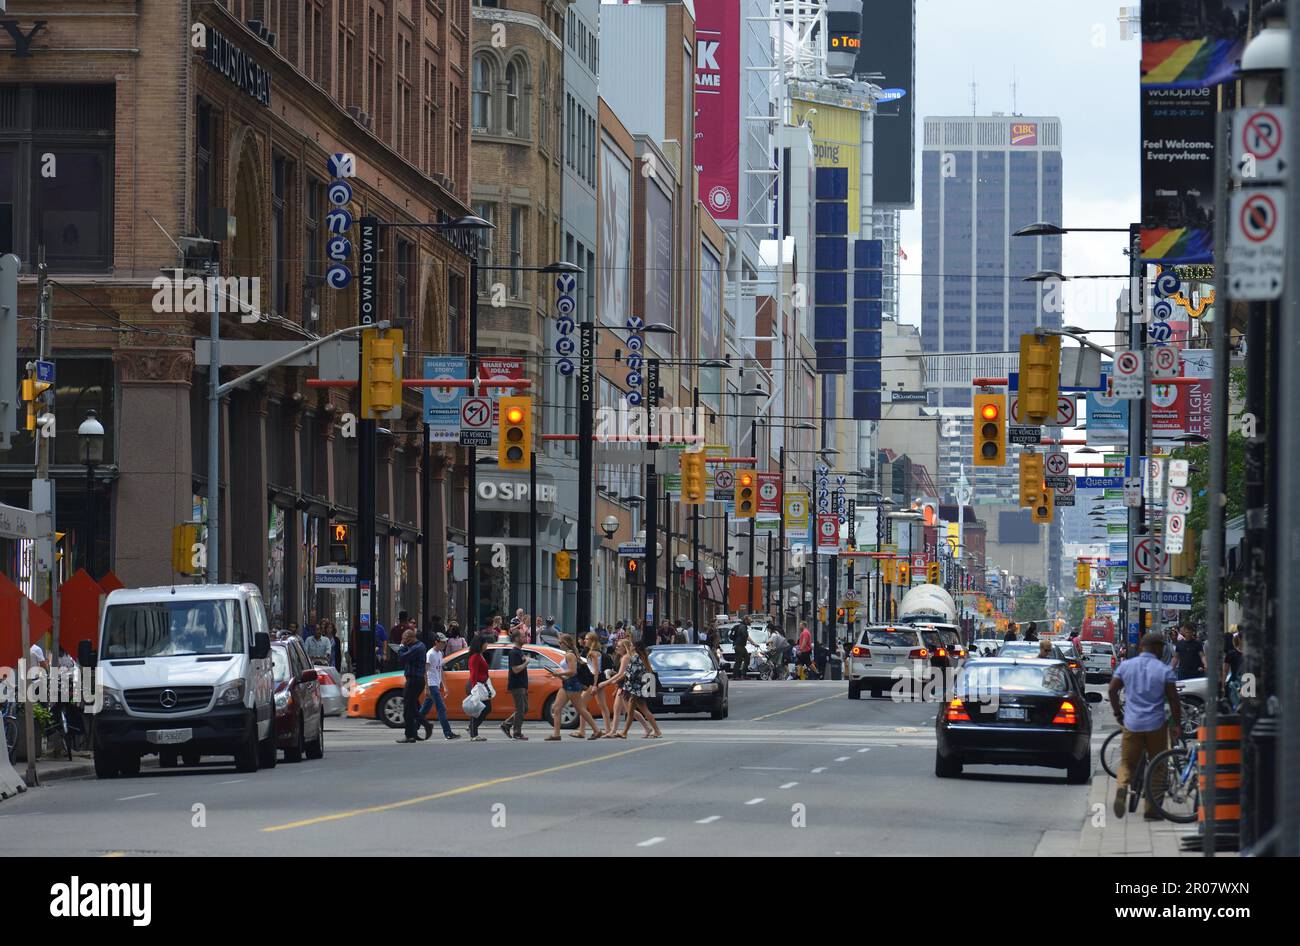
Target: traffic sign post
(476,422)
(1149,556)
(1258,156)
(1063,491)
(1127,380)
(1256,244)
(1164,362)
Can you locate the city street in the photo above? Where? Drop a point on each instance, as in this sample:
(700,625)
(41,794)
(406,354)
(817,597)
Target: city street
(859,775)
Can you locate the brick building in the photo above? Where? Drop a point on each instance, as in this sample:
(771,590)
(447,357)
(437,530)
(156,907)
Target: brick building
(159,114)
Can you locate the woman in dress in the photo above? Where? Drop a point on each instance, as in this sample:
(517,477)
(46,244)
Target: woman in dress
(638,666)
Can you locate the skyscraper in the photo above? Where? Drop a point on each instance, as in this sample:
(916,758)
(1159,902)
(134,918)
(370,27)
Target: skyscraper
(983,178)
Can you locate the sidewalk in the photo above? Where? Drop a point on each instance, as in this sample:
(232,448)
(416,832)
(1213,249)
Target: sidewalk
(52,770)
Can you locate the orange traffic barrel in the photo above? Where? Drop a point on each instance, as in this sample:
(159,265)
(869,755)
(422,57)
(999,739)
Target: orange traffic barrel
(1226,753)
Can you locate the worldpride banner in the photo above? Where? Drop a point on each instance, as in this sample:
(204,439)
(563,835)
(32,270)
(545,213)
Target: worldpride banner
(1192,43)
(717,105)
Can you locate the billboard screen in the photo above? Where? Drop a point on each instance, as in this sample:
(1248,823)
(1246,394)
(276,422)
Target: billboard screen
(615,235)
(889,48)
(837,143)
(717,105)
(658,261)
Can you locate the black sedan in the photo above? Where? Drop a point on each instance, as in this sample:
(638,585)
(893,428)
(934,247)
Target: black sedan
(1016,711)
(690,681)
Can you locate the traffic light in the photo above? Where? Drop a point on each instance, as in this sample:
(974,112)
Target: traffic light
(1043,508)
(745,505)
(990,429)
(904,573)
(515,443)
(1040,377)
(1031,477)
(887,571)
(31,391)
(184,538)
(340,543)
(564,565)
(381,373)
(932,573)
(632,568)
(693,492)
(1082,576)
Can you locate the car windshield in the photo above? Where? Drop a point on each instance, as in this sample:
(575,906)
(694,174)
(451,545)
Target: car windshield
(173,628)
(667,661)
(1019,649)
(979,680)
(280,661)
(890,637)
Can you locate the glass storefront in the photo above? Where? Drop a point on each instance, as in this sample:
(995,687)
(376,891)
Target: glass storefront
(276,539)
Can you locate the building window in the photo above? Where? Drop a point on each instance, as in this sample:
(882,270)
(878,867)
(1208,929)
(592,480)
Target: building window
(431,163)
(402,115)
(63,136)
(489,213)
(314,248)
(202,168)
(483,79)
(279,236)
(518,221)
(313,58)
(544,108)
(347,35)
(513,125)
(401,299)
(375,80)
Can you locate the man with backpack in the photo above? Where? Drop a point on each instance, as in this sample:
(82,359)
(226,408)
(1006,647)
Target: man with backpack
(740,640)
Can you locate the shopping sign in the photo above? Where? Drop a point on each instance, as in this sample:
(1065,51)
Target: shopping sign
(796,511)
(769,494)
(441,406)
(828,533)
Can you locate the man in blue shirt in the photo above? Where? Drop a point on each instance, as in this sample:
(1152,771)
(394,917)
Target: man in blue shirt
(1147,683)
(412,654)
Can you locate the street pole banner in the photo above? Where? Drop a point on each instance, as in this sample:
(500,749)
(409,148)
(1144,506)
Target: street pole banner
(796,511)
(828,533)
(769,495)
(499,368)
(442,405)
(717,106)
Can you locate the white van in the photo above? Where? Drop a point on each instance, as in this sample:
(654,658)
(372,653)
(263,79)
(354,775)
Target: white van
(185,671)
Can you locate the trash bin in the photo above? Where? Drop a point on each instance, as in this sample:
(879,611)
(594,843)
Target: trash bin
(834,669)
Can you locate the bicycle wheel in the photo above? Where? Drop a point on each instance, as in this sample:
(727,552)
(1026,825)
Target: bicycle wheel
(1193,715)
(1110,753)
(1181,798)
(11,736)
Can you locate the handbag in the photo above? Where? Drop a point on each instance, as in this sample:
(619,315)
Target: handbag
(472,705)
(584,675)
(482,692)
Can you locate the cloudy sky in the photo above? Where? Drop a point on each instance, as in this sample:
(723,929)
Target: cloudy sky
(1069,62)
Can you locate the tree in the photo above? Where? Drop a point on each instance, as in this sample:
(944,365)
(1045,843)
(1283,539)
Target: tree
(1074,612)
(1031,604)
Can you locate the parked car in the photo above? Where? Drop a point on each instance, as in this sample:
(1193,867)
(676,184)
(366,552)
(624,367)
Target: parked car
(380,697)
(331,690)
(299,715)
(690,681)
(1016,711)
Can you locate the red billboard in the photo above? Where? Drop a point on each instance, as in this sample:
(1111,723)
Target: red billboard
(717,105)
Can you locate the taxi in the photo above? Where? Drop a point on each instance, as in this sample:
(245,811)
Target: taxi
(380,696)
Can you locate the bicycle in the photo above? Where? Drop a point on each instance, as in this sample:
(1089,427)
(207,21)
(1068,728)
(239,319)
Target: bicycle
(63,726)
(10,716)
(1180,801)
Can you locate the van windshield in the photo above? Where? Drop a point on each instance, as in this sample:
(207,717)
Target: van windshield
(173,628)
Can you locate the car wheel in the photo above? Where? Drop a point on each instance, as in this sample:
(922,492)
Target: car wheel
(1079,772)
(294,754)
(246,755)
(719,710)
(105,764)
(167,759)
(191,758)
(726,707)
(392,710)
(568,718)
(947,768)
(268,752)
(855,689)
(128,764)
(316,748)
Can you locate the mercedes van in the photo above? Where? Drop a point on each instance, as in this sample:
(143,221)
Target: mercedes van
(185,672)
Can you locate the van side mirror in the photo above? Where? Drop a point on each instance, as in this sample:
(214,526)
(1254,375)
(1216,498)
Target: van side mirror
(86,655)
(309,676)
(261,645)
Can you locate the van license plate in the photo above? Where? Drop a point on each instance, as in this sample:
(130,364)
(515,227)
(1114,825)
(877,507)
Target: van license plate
(887,659)
(1012,712)
(672,699)
(169,737)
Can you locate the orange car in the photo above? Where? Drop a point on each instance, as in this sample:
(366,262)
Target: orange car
(380,697)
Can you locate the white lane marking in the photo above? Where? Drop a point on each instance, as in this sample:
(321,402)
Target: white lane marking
(233,781)
(789,785)
(769,768)
(865,749)
(134,797)
(651,842)
(709,820)
(842,758)
(819,770)
(755,801)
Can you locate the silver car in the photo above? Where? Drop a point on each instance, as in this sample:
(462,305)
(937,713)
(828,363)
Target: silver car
(332,701)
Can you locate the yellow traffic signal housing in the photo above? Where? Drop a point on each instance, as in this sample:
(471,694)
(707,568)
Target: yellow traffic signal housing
(515,443)
(381,372)
(932,573)
(745,504)
(887,570)
(990,429)
(693,490)
(904,573)
(1083,576)
(184,538)
(1031,477)
(563,565)
(1040,377)
(1044,508)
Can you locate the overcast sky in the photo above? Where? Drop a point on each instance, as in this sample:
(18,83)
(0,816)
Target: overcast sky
(1070,63)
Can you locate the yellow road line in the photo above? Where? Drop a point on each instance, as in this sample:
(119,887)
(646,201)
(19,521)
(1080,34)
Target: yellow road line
(791,709)
(113,854)
(465,789)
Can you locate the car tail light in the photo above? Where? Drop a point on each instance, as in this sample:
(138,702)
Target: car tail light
(323,677)
(961,652)
(1112,661)
(860,651)
(941,652)
(1065,716)
(956,712)
(919,653)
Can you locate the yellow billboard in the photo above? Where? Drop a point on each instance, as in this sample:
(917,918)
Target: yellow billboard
(837,143)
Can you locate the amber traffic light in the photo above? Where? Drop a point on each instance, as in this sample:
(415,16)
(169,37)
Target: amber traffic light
(745,504)
(1040,377)
(990,429)
(515,441)
(693,490)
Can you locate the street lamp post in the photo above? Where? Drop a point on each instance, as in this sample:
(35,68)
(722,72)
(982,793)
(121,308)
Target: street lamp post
(91,437)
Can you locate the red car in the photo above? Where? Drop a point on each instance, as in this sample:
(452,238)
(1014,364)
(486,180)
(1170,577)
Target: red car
(299,716)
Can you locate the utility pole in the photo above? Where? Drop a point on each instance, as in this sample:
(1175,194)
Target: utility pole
(586,473)
(43,498)
(1136,342)
(212,549)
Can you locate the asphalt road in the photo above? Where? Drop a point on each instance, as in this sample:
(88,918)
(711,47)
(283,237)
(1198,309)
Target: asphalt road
(797,769)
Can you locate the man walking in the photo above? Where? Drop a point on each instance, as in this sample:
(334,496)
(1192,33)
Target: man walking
(740,639)
(437,690)
(411,653)
(1188,651)
(319,649)
(517,661)
(1148,683)
(803,652)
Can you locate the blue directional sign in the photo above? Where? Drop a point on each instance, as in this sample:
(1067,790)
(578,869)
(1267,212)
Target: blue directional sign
(45,372)
(1099,482)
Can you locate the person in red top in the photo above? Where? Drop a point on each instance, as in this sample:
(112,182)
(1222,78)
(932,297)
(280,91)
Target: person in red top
(478,673)
(803,651)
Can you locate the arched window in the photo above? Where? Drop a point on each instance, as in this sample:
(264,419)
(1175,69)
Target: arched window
(482,109)
(513,83)
(544,108)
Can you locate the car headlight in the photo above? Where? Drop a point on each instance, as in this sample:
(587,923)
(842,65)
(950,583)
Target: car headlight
(112,700)
(282,699)
(231,694)
(704,688)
